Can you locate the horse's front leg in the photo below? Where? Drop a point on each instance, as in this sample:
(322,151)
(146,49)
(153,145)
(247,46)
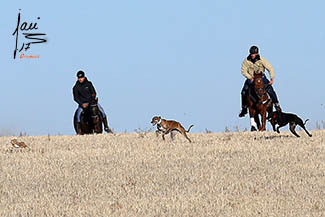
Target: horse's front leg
(263,126)
(257,120)
(252,114)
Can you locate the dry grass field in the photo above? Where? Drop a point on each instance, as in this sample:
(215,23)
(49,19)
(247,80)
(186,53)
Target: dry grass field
(137,174)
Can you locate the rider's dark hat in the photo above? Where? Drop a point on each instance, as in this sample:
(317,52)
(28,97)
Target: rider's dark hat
(253,50)
(80,74)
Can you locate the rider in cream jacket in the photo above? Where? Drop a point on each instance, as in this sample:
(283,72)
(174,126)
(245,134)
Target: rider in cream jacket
(254,63)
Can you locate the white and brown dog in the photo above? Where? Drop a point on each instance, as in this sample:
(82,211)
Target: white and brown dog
(166,126)
(17,144)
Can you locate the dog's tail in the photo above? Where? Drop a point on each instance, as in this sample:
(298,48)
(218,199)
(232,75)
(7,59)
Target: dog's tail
(189,128)
(306,122)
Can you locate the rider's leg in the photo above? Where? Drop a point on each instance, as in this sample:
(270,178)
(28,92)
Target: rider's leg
(78,126)
(244,94)
(79,110)
(106,128)
(101,110)
(272,94)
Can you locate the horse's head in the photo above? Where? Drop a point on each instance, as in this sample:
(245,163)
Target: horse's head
(259,85)
(94,110)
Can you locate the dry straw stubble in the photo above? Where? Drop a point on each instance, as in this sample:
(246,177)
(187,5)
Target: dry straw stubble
(219,174)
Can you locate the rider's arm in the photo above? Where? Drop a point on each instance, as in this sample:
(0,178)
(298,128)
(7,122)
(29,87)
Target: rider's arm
(76,96)
(268,67)
(244,70)
(92,89)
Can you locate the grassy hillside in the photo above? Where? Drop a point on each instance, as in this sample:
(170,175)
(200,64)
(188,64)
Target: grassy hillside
(219,174)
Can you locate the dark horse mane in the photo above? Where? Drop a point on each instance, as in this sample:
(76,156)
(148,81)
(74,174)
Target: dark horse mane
(90,119)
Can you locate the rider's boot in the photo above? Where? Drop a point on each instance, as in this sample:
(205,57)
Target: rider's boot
(243,112)
(78,127)
(106,128)
(243,106)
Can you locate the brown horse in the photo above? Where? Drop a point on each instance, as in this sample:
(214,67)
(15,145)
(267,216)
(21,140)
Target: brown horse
(259,102)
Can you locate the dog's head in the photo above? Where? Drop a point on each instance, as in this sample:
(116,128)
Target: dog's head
(155,120)
(273,117)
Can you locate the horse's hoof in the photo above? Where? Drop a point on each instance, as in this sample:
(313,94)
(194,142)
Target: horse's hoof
(108,130)
(253,129)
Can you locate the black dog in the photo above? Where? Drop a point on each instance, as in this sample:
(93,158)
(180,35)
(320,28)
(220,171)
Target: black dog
(283,119)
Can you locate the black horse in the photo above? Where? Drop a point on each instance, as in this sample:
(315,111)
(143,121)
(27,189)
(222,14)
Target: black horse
(91,120)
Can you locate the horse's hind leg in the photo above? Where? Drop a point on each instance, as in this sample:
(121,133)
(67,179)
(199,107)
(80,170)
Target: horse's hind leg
(292,129)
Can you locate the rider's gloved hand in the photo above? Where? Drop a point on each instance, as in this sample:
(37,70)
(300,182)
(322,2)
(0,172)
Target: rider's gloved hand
(272,81)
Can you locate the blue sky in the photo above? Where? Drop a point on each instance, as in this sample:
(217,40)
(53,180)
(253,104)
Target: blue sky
(178,59)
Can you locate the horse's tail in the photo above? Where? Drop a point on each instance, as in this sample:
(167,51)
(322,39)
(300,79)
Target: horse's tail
(306,121)
(189,128)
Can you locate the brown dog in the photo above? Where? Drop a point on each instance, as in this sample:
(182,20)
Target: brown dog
(167,126)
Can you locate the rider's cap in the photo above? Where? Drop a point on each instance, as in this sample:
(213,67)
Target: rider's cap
(253,50)
(80,74)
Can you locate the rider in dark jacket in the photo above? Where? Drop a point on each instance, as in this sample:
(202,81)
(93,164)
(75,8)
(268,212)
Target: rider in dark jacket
(83,90)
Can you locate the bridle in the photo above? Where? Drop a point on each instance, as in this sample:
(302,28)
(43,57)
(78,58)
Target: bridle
(263,90)
(260,89)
